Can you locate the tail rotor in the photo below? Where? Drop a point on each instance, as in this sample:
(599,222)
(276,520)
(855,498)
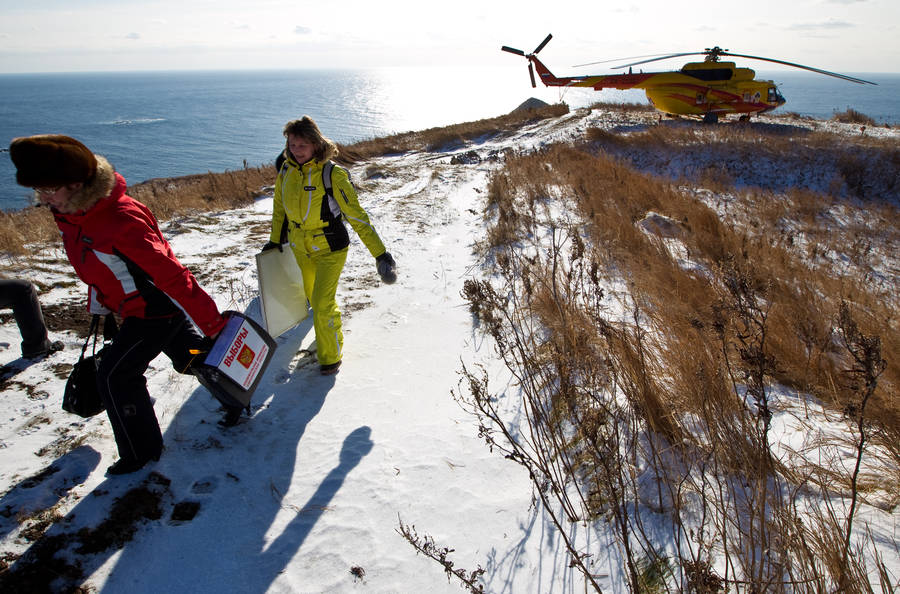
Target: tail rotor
(530,56)
(543,43)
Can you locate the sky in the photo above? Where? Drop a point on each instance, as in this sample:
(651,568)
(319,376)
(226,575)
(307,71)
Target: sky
(115,35)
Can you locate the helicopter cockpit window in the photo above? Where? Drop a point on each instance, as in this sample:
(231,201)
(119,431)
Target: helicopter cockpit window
(774,95)
(709,74)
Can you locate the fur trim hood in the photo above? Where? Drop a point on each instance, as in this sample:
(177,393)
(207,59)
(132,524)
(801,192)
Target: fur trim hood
(96,189)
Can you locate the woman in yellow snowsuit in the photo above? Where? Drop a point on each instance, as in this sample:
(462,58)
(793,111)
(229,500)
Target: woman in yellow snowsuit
(311,221)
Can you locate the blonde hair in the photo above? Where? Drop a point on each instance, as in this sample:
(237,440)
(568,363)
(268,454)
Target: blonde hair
(307,129)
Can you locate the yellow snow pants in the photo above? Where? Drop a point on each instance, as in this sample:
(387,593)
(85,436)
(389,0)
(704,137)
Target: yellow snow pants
(321,272)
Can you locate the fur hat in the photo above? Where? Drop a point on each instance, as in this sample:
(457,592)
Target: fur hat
(50,160)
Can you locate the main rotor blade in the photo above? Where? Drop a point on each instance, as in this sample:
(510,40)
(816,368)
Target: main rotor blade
(512,50)
(543,43)
(810,68)
(531,74)
(617,60)
(661,58)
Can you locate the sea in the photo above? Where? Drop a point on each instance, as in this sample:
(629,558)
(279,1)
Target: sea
(169,124)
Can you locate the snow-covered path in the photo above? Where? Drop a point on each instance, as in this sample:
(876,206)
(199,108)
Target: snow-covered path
(306,496)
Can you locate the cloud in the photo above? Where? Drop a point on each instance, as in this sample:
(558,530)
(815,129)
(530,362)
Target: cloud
(829,25)
(843,1)
(133,36)
(302,30)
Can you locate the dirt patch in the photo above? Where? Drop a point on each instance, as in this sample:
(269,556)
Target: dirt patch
(260,229)
(71,316)
(61,446)
(61,370)
(33,424)
(139,504)
(184,511)
(350,306)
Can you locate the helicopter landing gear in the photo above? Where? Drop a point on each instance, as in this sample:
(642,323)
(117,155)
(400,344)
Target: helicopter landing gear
(710,118)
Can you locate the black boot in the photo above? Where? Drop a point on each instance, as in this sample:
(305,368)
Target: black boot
(232,417)
(128,465)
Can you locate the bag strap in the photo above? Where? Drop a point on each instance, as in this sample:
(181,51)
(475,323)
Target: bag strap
(93,332)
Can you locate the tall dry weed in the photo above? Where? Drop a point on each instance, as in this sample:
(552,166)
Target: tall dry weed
(671,400)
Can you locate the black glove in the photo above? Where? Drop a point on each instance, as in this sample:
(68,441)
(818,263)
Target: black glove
(385,265)
(271,246)
(206,344)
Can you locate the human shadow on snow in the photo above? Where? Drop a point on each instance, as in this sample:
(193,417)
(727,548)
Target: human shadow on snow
(233,482)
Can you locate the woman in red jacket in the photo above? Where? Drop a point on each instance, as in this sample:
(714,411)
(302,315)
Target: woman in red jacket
(117,249)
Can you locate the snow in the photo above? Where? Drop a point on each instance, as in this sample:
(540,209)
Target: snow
(309,493)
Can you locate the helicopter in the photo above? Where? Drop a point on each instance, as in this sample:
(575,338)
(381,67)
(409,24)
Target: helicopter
(708,89)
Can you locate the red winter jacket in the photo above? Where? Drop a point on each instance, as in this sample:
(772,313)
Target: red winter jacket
(117,248)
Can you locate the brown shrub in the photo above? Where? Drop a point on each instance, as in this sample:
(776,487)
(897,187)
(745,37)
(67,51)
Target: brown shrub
(851,116)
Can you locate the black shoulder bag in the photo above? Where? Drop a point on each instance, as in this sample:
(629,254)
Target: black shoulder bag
(82,396)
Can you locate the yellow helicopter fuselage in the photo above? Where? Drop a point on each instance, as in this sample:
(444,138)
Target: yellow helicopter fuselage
(704,87)
(699,88)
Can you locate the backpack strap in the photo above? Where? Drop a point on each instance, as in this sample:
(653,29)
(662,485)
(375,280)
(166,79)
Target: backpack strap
(327,169)
(279,167)
(335,232)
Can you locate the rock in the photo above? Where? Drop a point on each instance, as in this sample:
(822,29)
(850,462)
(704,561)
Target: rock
(531,103)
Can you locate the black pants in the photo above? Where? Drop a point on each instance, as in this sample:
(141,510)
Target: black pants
(22,298)
(123,387)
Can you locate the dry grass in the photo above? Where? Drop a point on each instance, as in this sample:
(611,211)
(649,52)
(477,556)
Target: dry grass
(624,106)
(851,116)
(804,291)
(33,225)
(741,293)
(203,192)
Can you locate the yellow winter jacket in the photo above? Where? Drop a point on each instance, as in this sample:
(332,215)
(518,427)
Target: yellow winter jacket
(315,222)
